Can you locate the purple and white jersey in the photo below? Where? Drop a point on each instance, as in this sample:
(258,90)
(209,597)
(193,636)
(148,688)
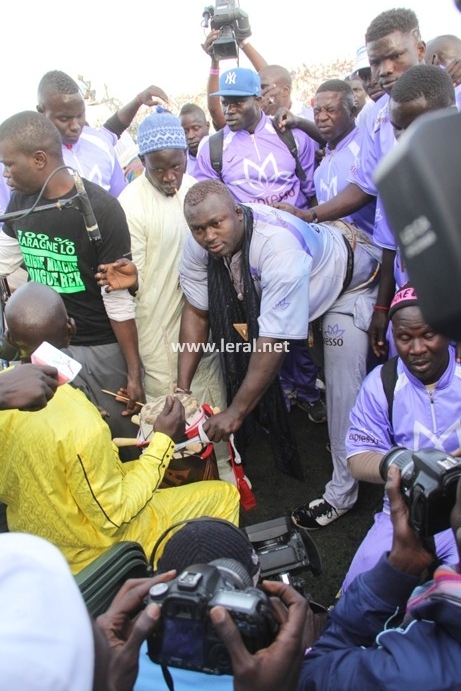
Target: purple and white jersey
(332,176)
(259,168)
(419,419)
(298,270)
(384,237)
(94,157)
(377,141)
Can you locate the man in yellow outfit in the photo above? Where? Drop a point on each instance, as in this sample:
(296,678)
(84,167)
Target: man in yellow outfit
(60,474)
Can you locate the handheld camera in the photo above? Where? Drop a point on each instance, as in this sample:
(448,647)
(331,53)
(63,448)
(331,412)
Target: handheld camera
(428,480)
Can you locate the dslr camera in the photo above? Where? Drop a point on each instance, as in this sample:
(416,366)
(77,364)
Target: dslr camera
(428,482)
(186,637)
(233,25)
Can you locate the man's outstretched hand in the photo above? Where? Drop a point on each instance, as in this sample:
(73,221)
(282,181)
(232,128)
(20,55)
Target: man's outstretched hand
(119,275)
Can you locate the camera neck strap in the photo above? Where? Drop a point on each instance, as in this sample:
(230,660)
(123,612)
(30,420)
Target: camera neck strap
(167,676)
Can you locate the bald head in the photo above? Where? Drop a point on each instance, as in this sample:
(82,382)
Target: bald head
(275,88)
(441,50)
(35,313)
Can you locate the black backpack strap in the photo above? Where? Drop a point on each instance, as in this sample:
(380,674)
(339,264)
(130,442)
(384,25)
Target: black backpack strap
(216,142)
(389,380)
(288,139)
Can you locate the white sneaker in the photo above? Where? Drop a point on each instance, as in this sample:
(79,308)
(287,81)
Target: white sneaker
(317,514)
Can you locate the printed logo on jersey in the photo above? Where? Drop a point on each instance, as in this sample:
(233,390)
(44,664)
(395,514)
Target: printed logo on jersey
(328,190)
(333,336)
(363,438)
(426,438)
(282,304)
(52,262)
(269,184)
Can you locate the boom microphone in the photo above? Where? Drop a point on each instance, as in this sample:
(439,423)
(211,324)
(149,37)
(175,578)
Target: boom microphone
(89,218)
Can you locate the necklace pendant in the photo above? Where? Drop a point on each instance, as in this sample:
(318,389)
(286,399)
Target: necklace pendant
(240,296)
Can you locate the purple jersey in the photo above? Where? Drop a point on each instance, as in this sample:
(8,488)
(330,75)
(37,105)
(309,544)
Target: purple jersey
(332,176)
(384,237)
(259,168)
(377,141)
(93,156)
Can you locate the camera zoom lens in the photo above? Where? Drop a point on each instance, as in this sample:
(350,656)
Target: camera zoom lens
(403,459)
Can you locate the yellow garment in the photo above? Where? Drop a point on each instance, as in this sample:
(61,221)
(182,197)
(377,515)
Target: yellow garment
(61,478)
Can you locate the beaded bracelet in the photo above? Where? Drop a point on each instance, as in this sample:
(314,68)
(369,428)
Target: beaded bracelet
(315,218)
(179,390)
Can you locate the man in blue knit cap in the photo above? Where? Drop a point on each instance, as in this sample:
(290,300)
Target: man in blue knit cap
(153,204)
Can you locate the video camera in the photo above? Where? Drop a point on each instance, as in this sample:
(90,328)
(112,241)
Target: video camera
(232,23)
(428,482)
(186,637)
(283,551)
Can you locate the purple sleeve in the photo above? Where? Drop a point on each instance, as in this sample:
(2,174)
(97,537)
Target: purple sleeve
(118,181)
(369,418)
(382,234)
(362,172)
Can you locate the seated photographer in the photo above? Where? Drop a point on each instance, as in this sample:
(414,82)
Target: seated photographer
(198,541)
(359,649)
(424,411)
(61,476)
(202,541)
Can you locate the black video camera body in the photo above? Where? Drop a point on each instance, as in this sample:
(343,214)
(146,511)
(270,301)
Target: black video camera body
(283,550)
(428,482)
(186,637)
(231,21)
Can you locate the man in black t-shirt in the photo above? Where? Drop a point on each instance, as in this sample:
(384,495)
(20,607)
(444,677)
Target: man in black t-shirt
(55,247)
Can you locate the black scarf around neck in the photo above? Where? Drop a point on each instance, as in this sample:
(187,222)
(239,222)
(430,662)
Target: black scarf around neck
(225,309)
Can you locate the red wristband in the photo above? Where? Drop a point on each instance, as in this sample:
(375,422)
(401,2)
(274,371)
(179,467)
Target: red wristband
(381,307)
